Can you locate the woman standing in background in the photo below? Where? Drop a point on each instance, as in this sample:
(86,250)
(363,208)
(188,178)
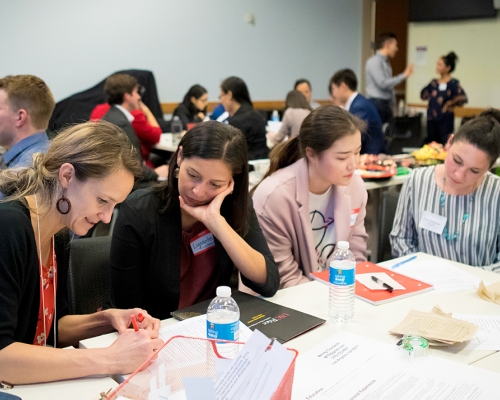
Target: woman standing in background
(443,94)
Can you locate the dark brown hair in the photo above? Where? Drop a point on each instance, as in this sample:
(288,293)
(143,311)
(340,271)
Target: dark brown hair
(295,99)
(213,140)
(344,75)
(30,93)
(117,85)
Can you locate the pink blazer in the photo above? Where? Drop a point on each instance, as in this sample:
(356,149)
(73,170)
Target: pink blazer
(282,205)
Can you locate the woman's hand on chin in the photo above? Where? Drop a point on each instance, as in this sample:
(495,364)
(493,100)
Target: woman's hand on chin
(208,214)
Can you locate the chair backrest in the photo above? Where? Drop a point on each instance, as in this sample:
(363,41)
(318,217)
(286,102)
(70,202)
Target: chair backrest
(88,275)
(388,206)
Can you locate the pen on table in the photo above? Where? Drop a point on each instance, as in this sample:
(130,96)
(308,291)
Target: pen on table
(381,282)
(403,262)
(134,322)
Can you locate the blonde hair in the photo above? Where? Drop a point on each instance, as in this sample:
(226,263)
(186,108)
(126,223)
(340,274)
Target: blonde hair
(95,149)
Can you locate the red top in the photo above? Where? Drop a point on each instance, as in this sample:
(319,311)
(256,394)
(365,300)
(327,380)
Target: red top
(148,135)
(48,286)
(198,273)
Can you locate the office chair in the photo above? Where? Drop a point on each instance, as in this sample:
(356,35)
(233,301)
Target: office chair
(389,204)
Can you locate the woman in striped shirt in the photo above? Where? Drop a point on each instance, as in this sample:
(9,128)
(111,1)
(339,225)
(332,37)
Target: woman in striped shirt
(453,210)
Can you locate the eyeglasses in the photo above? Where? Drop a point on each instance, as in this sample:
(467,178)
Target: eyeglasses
(141,90)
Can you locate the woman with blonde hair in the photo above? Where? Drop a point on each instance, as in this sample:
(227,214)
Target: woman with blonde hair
(88,169)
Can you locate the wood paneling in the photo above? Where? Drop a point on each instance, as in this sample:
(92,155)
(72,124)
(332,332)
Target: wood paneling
(459,111)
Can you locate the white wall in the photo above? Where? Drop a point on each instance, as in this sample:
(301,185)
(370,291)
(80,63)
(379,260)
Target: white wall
(73,45)
(477,45)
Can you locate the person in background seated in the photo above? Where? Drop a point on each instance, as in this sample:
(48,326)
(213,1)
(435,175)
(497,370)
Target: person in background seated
(304,86)
(311,198)
(87,170)
(122,94)
(145,125)
(26,105)
(452,210)
(193,108)
(443,94)
(343,91)
(296,110)
(235,98)
(175,243)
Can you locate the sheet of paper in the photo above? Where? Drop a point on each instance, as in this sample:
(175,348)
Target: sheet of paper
(436,327)
(366,279)
(348,366)
(199,388)
(445,276)
(488,335)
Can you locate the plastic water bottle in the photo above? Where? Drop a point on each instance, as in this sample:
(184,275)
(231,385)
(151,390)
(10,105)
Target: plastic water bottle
(223,322)
(342,283)
(176,125)
(275,116)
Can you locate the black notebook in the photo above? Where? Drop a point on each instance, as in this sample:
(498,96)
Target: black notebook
(271,319)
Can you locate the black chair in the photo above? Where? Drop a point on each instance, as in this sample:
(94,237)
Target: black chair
(388,211)
(88,275)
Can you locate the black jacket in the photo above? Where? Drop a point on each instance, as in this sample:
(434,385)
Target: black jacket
(185,115)
(253,126)
(146,251)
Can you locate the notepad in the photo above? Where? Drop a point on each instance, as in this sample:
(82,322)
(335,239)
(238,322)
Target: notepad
(412,286)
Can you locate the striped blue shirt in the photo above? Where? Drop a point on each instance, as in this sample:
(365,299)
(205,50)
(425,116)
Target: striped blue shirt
(477,241)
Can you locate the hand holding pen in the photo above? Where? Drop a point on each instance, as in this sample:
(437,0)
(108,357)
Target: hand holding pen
(121,320)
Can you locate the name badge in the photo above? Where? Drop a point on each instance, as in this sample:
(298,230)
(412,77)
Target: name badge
(354,216)
(442,87)
(202,242)
(432,222)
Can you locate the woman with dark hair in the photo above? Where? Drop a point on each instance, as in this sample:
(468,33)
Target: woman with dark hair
(173,245)
(235,98)
(193,107)
(297,109)
(87,170)
(311,198)
(452,210)
(443,94)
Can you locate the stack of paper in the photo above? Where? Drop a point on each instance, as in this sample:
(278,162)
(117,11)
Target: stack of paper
(436,326)
(490,293)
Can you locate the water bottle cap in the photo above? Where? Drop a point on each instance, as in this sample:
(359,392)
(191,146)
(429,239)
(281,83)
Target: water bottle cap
(342,244)
(176,118)
(223,291)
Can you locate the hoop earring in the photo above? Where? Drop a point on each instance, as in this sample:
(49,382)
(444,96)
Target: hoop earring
(63,203)
(176,172)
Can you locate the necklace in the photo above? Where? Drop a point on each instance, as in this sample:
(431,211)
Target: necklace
(465,217)
(40,264)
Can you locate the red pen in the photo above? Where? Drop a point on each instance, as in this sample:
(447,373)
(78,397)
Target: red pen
(140,317)
(134,323)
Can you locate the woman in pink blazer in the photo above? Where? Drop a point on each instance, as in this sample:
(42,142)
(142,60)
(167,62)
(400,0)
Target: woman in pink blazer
(311,198)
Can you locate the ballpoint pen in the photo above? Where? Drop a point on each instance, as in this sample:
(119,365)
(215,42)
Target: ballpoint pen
(403,262)
(381,282)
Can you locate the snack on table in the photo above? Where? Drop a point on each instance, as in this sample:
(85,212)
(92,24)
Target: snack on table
(431,151)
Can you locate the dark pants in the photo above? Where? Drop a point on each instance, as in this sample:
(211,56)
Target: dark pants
(440,130)
(384,109)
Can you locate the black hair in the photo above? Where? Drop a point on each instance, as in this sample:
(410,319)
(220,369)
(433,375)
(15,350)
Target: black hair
(213,140)
(301,81)
(384,37)
(450,60)
(195,91)
(238,88)
(344,75)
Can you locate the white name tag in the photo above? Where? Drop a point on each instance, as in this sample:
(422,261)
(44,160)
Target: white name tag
(432,222)
(202,242)
(354,216)
(443,86)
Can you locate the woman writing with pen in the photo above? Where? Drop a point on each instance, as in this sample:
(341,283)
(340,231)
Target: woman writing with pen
(88,169)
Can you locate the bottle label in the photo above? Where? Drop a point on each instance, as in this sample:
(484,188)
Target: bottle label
(229,331)
(342,277)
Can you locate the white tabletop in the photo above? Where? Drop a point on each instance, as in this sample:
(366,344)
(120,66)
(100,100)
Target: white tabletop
(375,321)
(74,389)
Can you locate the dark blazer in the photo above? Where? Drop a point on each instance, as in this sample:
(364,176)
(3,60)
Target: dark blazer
(146,252)
(20,277)
(373,141)
(253,126)
(185,115)
(117,117)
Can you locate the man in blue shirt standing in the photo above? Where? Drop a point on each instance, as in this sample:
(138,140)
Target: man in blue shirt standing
(26,105)
(343,91)
(379,80)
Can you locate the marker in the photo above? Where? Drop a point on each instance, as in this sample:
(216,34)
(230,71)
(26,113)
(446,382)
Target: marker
(381,282)
(134,323)
(403,262)
(140,317)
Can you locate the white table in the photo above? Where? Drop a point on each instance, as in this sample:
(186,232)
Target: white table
(74,389)
(168,142)
(375,321)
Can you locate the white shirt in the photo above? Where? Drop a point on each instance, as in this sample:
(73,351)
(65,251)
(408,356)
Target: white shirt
(323,227)
(350,100)
(129,116)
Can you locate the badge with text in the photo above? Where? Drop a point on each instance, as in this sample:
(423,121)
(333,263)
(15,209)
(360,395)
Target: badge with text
(442,87)
(432,222)
(202,242)
(354,216)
